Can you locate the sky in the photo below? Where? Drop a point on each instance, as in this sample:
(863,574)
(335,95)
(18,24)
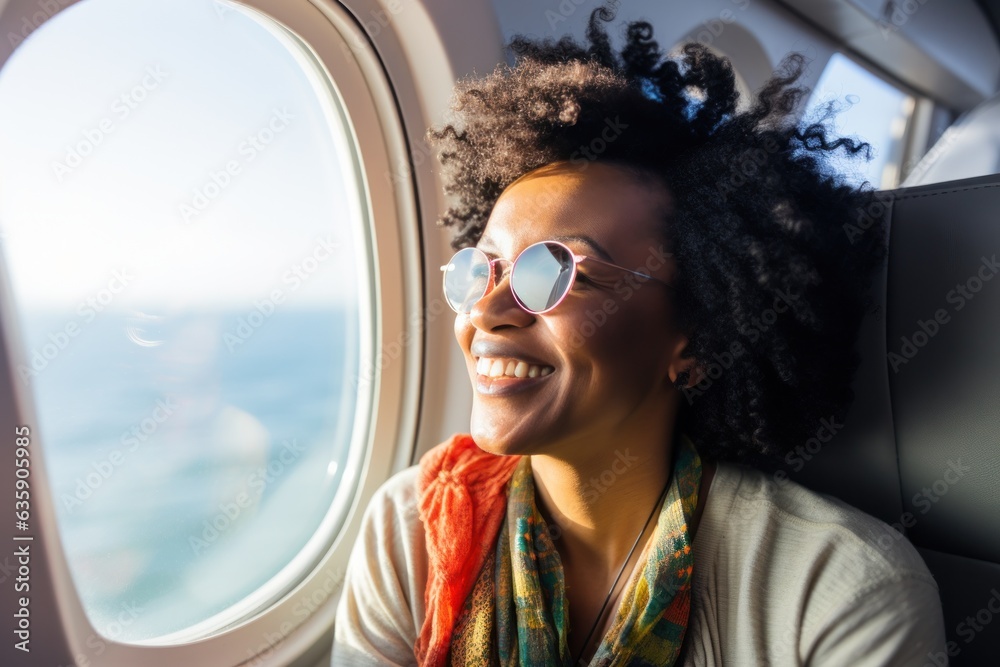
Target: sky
(116,114)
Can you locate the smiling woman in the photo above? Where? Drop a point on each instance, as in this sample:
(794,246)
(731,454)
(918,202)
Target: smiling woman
(638,324)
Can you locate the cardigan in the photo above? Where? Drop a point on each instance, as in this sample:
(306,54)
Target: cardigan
(782,576)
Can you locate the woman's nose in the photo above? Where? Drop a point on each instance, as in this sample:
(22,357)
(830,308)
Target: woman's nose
(498,308)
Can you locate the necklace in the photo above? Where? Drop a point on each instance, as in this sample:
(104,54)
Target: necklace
(607,599)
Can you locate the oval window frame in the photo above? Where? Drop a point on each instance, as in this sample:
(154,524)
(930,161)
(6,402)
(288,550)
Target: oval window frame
(274,631)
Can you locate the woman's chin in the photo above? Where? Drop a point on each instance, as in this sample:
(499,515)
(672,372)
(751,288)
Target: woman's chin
(498,442)
(492,446)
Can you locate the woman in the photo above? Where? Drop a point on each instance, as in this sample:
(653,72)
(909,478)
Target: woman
(650,288)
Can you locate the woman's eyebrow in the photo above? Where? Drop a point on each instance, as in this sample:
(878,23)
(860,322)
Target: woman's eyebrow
(486,245)
(594,245)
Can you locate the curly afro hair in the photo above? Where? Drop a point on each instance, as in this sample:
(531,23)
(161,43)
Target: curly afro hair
(770,287)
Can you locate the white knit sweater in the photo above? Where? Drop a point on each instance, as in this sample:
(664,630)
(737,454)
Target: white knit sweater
(782,576)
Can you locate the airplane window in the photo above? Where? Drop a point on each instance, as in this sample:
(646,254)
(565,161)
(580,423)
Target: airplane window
(181,213)
(870,109)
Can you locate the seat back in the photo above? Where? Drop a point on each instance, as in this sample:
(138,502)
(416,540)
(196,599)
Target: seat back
(920,448)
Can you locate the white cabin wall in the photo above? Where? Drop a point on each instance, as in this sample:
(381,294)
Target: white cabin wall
(946,51)
(754,34)
(957,35)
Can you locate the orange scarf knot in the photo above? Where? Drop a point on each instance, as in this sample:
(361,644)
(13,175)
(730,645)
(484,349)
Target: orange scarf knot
(468,486)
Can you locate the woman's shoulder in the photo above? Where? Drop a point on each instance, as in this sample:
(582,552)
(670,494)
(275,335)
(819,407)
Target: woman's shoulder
(395,506)
(796,519)
(382,602)
(391,528)
(785,575)
(400,490)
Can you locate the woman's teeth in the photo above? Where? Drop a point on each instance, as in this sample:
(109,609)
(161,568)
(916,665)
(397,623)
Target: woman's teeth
(514,368)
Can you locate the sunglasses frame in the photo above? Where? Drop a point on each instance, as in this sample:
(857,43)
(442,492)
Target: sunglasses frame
(491,284)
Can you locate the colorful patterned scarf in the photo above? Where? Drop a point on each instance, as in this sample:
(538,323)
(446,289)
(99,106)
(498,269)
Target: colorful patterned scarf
(513,609)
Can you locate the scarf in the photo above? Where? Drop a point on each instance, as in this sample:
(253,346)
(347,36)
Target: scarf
(495,591)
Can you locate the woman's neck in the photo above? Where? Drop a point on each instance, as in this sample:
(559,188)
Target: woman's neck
(595,511)
(595,506)
(594,515)
(596,491)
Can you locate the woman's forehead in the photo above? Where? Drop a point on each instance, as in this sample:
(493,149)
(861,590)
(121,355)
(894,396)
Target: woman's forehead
(602,205)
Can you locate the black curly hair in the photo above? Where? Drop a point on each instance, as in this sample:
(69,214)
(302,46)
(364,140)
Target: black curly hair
(770,284)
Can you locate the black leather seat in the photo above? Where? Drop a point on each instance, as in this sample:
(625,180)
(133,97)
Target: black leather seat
(920,448)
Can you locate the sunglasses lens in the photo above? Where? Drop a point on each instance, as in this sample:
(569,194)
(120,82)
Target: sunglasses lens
(466,278)
(542,276)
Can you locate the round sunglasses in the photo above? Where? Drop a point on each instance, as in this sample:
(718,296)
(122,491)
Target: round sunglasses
(540,278)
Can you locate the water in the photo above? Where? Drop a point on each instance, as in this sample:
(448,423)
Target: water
(191,458)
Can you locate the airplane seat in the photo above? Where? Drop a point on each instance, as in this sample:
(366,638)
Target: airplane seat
(920,447)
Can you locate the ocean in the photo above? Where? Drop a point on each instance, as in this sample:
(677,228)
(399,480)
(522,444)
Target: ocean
(191,454)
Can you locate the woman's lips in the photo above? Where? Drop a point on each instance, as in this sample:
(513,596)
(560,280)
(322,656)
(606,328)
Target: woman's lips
(510,367)
(504,385)
(505,375)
